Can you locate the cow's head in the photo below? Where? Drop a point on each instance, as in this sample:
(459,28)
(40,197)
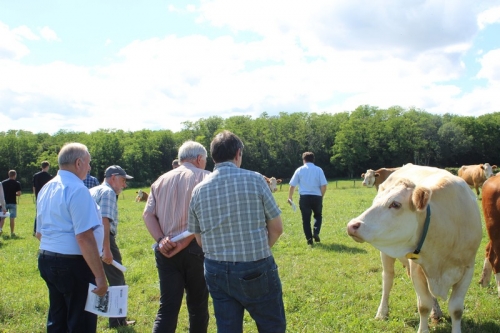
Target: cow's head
(369,177)
(273,184)
(391,223)
(139,193)
(488,169)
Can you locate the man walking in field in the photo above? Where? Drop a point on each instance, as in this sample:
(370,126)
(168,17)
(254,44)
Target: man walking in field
(312,187)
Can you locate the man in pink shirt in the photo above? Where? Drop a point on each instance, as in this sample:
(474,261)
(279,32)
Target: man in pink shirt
(180,264)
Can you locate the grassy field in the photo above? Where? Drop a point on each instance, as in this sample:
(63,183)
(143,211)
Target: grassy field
(333,287)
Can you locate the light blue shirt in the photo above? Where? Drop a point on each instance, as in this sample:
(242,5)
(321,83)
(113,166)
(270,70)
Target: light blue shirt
(64,210)
(309,178)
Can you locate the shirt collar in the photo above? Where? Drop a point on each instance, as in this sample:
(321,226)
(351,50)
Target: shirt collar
(224,164)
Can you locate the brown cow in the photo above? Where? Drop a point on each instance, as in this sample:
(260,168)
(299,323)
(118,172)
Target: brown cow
(273,183)
(491,210)
(141,196)
(476,175)
(377,177)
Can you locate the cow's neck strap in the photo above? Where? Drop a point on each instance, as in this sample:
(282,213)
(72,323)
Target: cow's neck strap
(415,254)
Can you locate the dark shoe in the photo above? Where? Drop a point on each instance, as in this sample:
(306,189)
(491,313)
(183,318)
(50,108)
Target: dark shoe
(316,238)
(310,242)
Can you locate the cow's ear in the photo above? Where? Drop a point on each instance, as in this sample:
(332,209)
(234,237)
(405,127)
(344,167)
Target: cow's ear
(279,181)
(494,167)
(377,174)
(421,197)
(362,175)
(482,166)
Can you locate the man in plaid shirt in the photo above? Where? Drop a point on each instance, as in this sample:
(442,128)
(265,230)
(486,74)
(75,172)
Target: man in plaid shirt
(105,196)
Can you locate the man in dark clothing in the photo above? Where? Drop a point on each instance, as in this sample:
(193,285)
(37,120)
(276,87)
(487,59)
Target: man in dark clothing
(11,190)
(39,179)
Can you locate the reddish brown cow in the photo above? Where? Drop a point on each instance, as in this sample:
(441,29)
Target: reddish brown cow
(377,177)
(476,175)
(273,183)
(491,210)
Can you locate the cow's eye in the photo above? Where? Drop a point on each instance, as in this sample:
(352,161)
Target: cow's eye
(395,204)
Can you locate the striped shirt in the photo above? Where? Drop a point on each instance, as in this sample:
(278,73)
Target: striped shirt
(105,197)
(170,195)
(230,209)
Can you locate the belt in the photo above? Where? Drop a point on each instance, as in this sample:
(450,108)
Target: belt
(60,255)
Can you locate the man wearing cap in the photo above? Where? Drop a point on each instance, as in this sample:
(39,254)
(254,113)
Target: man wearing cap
(105,196)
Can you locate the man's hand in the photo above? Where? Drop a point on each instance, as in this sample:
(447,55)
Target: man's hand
(107,256)
(102,286)
(170,249)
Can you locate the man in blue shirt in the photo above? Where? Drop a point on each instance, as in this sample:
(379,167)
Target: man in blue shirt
(312,187)
(69,227)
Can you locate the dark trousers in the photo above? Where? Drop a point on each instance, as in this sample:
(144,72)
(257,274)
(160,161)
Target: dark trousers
(311,204)
(115,277)
(184,271)
(68,282)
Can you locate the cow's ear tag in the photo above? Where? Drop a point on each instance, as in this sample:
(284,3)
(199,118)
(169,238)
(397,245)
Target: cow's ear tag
(412,256)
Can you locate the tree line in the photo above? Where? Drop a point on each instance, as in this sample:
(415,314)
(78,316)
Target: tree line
(345,144)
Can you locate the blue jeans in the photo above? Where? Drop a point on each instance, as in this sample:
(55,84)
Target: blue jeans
(68,282)
(184,271)
(254,286)
(311,204)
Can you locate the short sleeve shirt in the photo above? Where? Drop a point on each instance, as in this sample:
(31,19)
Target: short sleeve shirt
(309,178)
(10,187)
(64,210)
(105,197)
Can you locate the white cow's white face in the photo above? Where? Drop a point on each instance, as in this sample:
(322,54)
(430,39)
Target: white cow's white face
(369,178)
(488,170)
(390,224)
(273,184)
(139,193)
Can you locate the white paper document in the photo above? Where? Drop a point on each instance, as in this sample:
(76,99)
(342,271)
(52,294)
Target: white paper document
(7,214)
(294,208)
(174,239)
(118,265)
(112,304)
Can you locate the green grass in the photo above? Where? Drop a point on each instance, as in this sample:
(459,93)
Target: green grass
(333,287)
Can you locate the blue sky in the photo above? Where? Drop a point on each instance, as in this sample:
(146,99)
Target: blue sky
(87,65)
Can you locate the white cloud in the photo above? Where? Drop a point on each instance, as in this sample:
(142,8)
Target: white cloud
(11,47)
(25,32)
(326,56)
(489,16)
(490,69)
(49,34)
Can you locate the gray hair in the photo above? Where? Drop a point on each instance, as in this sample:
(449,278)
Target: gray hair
(70,152)
(190,150)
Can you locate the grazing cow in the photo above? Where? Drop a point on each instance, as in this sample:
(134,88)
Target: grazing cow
(377,177)
(273,183)
(491,210)
(476,175)
(428,215)
(141,196)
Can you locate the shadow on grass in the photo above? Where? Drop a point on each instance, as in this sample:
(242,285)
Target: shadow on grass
(339,248)
(468,325)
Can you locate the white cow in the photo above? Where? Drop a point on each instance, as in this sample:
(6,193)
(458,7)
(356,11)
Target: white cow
(431,217)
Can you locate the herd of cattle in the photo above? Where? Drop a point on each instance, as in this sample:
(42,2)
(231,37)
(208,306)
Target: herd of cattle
(429,219)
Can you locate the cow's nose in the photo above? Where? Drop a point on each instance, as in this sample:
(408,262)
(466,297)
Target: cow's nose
(352,228)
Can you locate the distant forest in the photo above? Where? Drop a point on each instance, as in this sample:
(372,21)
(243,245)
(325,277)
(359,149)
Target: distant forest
(345,144)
